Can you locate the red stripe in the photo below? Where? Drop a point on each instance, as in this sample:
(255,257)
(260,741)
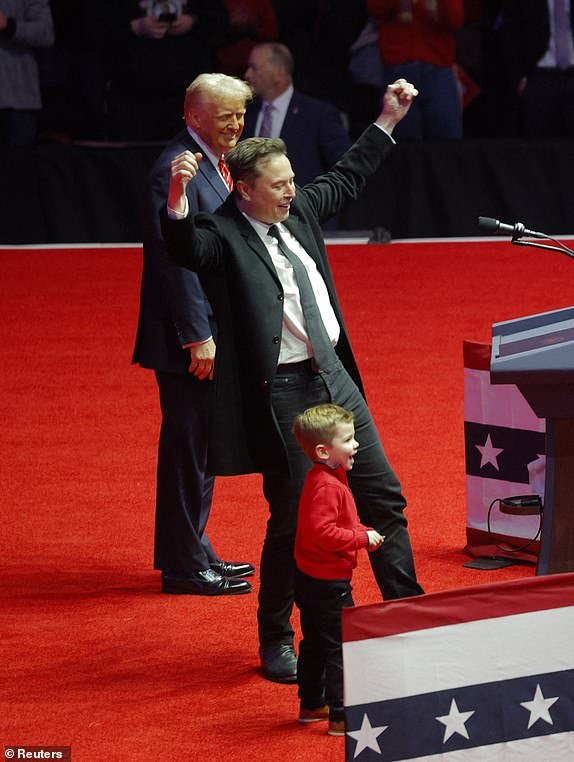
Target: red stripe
(458,606)
(476,356)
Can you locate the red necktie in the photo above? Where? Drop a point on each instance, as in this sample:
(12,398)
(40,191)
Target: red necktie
(224,169)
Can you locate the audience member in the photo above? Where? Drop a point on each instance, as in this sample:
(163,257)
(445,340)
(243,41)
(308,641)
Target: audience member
(512,38)
(329,535)
(283,348)
(547,100)
(176,338)
(319,34)
(72,78)
(250,21)
(366,70)
(25,25)
(153,49)
(312,129)
(417,41)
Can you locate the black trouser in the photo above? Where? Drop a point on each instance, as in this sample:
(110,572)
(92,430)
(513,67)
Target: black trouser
(320,663)
(375,487)
(184,492)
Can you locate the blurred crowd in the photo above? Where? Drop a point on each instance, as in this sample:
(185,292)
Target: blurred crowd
(86,70)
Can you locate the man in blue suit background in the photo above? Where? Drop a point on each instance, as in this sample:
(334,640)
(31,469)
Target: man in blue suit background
(312,130)
(176,337)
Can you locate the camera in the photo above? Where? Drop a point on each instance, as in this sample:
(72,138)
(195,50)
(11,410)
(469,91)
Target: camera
(165,10)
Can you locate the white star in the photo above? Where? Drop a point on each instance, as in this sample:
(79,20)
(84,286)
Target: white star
(366,737)
(539,707)
(454,721)
(489,453)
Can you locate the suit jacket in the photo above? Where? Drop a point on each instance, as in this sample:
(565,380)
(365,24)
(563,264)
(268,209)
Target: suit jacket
(174,310)
(246,294)
(313,132)
(19,82)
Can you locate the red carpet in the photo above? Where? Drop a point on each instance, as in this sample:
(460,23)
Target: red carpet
(94,657)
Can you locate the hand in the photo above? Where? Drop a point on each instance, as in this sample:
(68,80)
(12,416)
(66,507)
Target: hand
(3,21)
(375,539)
(202,359)
(397,100)
(183,167)
(149,26)
(182,25)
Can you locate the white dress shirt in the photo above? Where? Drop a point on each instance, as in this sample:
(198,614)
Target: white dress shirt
(295,344)
(280,108)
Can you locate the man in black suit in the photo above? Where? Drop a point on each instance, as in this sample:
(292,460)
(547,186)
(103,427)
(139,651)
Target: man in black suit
(271,366)
(312,129)
(176,338)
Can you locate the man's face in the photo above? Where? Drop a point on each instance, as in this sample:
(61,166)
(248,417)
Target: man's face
(218,122)
(261,74)
(269,198)
(343,447)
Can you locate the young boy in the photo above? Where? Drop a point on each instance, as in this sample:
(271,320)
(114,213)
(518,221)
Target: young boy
(329,535)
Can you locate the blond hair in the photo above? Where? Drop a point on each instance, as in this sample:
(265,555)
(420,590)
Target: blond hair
(318,425)
(211,86)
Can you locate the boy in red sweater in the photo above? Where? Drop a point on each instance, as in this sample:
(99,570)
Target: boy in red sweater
(329,535)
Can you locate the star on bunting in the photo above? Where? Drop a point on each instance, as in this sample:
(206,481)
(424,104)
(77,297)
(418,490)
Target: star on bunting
(489,453)
(539,707)
(366,737)
(454,721)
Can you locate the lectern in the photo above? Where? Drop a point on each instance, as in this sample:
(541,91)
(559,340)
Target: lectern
(537,354)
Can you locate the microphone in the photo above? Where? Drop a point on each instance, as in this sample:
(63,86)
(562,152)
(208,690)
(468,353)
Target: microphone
(516,231)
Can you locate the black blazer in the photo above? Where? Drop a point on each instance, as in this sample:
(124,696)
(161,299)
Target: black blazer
(173,307)
(313,132)
(242,285)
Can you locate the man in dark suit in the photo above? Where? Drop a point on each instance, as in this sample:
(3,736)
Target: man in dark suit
(312,129)
(283,348)
(176,338)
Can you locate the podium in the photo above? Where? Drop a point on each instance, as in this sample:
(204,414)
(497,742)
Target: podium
(537,354)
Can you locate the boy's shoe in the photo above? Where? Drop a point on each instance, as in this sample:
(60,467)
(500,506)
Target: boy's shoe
(314,715)
(336,728)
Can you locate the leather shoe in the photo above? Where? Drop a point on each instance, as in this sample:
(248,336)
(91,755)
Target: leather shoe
(203,582)
(232,569)
(279,662)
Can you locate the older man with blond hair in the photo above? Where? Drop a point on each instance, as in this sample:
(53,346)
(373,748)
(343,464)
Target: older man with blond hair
(176,337)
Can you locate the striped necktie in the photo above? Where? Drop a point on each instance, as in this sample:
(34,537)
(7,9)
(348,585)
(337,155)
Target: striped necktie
(266,121)
(224,169)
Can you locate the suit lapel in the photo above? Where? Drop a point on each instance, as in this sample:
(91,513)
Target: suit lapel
(248,233)
(300,230)
(206,169)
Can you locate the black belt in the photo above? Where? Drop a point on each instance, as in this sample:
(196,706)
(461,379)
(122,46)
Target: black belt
(305,366)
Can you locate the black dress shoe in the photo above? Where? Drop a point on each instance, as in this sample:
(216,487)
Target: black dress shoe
(205,582)
(279,662)
(232,569)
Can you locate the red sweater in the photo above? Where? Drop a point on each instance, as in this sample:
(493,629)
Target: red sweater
(417,31)
(329,532)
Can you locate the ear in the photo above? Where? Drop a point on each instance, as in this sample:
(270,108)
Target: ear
(321,452)
(243,189)
(192,119)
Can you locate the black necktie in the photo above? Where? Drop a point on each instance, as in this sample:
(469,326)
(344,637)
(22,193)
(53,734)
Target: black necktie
(323,351)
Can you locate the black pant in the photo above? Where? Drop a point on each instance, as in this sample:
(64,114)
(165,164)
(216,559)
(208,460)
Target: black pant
(375,487)
(320,663)
(184,492)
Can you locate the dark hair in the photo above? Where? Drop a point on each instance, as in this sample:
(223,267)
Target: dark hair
(244,159)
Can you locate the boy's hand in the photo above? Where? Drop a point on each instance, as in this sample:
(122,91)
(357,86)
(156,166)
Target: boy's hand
(375,539)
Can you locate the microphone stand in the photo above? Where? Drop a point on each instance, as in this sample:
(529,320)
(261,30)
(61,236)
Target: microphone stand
(561,248)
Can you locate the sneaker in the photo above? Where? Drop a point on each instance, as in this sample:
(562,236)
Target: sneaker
(314,715)
(336,728)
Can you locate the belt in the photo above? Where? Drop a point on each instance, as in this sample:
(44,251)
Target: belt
(289,368)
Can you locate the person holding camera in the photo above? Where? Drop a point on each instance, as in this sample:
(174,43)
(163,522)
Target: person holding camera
(152,50)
